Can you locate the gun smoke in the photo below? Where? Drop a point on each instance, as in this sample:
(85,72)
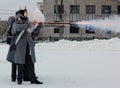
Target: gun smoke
(112,23)
(36,15)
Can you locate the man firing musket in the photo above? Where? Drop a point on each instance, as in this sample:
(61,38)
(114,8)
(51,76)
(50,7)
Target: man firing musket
(24,53)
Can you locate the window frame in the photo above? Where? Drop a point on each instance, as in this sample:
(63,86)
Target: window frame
(105,8)
(90,9)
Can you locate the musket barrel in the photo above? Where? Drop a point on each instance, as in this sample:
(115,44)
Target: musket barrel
(57,23)
(54,23)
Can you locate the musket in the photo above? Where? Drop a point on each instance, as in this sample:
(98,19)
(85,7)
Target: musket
(56,24)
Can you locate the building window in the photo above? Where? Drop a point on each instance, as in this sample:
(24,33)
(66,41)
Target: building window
(90,9)
(56,30)
(90,12)
(58,12)
(74,12)
(90,30)
(119,10)
(74,29)
(74,9)
(58,9)
(106,9)
(41,6)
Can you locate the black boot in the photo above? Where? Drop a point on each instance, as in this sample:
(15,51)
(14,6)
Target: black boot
(36,82)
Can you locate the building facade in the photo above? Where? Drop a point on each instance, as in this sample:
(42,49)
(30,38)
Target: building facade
(78,10)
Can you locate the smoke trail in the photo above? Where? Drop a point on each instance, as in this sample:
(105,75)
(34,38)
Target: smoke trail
(112,23)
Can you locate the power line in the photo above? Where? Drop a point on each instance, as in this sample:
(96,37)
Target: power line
(7,10)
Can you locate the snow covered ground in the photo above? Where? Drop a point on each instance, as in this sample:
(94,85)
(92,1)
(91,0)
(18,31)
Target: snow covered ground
(70,64)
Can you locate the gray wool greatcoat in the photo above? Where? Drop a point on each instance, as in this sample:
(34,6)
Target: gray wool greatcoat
(17,55)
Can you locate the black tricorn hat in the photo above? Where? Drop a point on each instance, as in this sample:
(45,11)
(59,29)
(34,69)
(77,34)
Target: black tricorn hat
(23,14)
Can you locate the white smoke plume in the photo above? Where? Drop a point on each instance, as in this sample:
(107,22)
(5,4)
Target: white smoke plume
(36,15)
(112,23)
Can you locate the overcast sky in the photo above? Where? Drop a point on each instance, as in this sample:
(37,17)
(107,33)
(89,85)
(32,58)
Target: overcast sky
(9,7)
